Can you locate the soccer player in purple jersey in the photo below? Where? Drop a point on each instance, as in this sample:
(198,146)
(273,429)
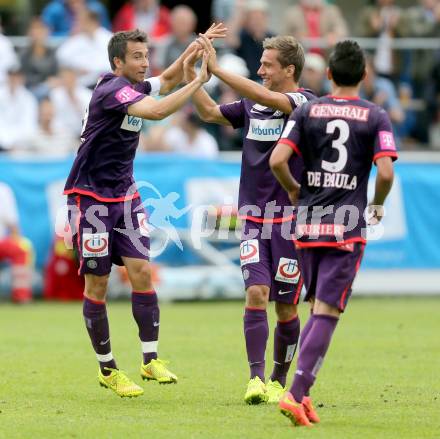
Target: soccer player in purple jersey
(268,259)
(338,137)
(106,214)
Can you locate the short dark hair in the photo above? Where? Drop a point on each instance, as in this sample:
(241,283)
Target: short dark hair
(290,52)
(347,63)
(117,46)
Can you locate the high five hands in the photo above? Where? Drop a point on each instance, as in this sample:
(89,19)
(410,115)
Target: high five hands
(199,47)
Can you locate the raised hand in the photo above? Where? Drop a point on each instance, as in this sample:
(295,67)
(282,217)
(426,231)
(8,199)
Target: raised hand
(216,31)
(204,75)
(207,46)
(188,65)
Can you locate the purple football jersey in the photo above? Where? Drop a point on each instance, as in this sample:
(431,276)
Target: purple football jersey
(103,168)
(261,197)
(338,139)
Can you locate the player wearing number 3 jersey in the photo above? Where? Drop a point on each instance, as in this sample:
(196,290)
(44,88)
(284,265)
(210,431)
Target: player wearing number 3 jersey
(338,137)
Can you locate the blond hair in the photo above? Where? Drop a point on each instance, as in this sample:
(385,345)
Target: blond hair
(290,52)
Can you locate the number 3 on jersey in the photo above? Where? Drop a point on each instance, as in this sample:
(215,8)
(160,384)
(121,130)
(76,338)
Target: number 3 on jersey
(339,144)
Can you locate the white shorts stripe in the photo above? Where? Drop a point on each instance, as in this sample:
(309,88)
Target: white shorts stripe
(105,357)
(149,346)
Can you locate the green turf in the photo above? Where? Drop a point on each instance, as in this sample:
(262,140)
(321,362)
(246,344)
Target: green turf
(380,379)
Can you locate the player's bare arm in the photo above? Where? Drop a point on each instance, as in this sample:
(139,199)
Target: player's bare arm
(279,164)
(244,86)
(152,109)
(206,107)
(173,75)
(384,182)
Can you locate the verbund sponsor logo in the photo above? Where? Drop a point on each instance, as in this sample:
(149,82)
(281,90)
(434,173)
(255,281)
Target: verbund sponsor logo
(131,123)
(265,130)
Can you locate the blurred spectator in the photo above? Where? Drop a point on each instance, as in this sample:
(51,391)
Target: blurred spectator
(8,57)
(51,139)
(86,52)
(14,16)
(422,21)
(316,19)
(183,25)
(382,92)
(70,101)
(18,109)
(185,136)
(61,16)
(223,10)
(247,31)
(145,15)
(434,107)
(38,59)
(14,248)
(314,74)
(382,20)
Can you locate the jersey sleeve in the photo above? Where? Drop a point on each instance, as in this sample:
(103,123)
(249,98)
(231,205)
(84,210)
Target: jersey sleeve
(234,113)
(151,86)
(384,144)
(121,96)
(291,135)
(296,99)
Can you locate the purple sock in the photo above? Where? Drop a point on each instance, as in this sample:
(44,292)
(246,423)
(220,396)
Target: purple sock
(95,317)
(312,353)
(304,333)
(285,342)
(305,330)
(256,333)
(146,313)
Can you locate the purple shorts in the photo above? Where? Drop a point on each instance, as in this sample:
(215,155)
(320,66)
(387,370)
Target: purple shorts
(104,232)
(268,257)
(329,272)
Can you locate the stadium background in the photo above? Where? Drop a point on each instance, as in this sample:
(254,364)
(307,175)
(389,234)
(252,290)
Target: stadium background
(405,261)
(380,378)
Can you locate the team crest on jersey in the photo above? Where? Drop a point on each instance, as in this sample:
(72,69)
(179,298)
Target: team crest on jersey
(298,98)
(288,271)
(267,130)
(143,224)
(95,245)
(249,252)
(132,123)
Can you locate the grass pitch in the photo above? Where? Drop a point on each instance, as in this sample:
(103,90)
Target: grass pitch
(381,377)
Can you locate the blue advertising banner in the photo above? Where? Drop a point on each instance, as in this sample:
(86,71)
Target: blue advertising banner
(410,235)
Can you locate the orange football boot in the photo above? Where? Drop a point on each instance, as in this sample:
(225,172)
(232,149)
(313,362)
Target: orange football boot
(294,410)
